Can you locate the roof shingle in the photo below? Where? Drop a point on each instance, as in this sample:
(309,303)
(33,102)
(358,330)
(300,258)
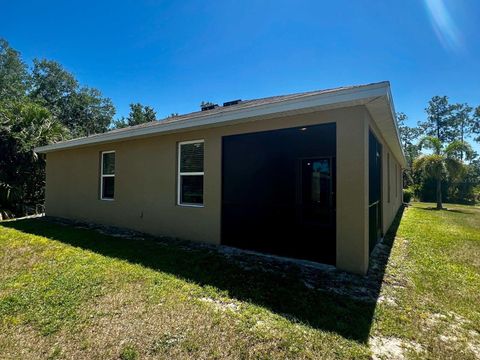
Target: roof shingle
(223,109)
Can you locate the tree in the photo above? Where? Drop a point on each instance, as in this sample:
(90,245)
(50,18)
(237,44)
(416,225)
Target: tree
(14,77)
(465,122)
(23,126)
(476,124)
(408,137)
(149,114)
(120,123)
(440,121)
(442,162)
(136,116)
(52,86)
(33,125)
(83,110)
(139,114)
(86,112)
(37,108)
(464,191)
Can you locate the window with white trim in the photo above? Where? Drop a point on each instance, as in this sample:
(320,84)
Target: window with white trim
(396,181)
(388,177)
(190,173)
(400,182)
(107,175)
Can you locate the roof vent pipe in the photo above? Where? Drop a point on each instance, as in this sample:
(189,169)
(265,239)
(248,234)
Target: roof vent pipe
(208,106)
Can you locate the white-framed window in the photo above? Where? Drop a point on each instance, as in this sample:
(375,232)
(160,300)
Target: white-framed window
(400,176)
(396,181)
(388,177)
(107,175)
(190,173)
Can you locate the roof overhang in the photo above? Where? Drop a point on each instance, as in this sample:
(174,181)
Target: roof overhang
(382,111)
(376,97)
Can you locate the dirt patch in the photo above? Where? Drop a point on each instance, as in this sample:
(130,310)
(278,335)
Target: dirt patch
(25,343)
(475,349)
(386,348)
(221,305)
(385,299)
(453,330)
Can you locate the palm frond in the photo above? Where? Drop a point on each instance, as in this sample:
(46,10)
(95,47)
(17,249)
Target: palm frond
(432,165)
(431,142)
(455,168)
(455,148)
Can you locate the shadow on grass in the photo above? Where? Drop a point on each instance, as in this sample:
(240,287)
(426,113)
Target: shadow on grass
(283,292)
(458,211)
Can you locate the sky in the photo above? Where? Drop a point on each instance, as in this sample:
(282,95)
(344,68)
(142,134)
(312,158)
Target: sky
(174,54)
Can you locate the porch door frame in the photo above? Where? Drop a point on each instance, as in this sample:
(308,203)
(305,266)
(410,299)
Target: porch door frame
(300,185)
(378,203)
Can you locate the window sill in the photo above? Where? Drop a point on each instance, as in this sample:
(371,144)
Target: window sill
(192,205)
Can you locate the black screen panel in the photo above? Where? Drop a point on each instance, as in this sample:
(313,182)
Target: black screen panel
(264,205)
(374,187)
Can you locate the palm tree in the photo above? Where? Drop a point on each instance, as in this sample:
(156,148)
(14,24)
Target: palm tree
(23,126)
(443,162)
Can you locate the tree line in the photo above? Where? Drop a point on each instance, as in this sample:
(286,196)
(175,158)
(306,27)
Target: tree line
(42,104)
(441,163)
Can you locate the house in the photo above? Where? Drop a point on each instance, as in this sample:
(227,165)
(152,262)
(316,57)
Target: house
(314,175)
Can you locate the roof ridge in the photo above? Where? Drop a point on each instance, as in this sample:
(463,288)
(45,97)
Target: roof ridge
(245,104)
(219,109)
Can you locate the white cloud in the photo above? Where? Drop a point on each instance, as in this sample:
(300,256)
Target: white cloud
(444,24)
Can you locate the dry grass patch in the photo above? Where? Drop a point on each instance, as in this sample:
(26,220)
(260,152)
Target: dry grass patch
(436,314)
(96,297)
(75,293)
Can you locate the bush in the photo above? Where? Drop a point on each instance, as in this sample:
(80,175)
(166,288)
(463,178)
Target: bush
(407,195)
(476,193)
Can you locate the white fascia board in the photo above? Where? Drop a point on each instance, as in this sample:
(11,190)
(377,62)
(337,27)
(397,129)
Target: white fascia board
(397,130)
(314,101)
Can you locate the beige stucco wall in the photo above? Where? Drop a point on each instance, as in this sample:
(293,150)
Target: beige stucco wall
(146,178)
(352,193)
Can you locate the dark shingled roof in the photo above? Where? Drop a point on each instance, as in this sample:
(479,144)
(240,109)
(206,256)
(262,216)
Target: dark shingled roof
(244,104)
(375,96)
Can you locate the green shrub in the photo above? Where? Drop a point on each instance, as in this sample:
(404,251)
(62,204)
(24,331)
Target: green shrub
(407,195)
(476,194)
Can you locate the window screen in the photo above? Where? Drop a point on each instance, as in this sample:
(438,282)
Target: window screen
(388,177)
(190,173)
(108,163)
(191,157)
(107,177)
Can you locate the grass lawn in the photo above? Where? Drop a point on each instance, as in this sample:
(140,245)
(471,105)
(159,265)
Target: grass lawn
(69,292)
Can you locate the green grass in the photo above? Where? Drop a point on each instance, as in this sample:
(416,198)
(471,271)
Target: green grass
(67,292)
(436,259)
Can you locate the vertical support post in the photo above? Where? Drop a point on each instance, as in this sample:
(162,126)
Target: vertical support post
(352,193)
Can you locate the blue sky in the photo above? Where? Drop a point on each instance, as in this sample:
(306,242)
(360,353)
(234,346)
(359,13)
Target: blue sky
(174,54)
